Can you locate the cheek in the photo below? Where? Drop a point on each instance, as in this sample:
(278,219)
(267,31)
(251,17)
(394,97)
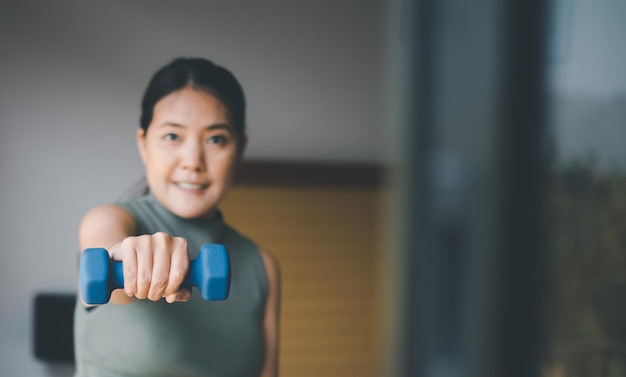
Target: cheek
(158,163)
(223,165)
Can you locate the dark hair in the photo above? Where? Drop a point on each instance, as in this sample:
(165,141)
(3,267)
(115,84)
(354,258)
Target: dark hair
(202,74)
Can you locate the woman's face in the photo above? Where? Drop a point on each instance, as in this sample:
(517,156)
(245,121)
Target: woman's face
(190,152)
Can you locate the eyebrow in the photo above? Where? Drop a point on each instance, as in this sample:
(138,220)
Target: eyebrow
(212,127)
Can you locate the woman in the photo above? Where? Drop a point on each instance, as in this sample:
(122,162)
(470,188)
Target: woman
(191,139)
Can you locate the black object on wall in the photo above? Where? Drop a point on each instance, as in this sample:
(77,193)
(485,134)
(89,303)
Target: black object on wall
(53,327)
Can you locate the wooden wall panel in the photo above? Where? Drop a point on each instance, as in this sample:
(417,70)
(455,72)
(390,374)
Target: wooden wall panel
(327,243)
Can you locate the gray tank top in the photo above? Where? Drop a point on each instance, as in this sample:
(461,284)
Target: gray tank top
(196,338)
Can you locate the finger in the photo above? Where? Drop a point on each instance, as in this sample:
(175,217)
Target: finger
(179,265)
(144,266)
(183,295)
(128,255)
(160,266)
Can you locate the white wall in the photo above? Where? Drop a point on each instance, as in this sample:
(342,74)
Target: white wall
(71,77)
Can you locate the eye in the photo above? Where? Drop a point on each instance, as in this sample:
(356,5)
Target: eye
(218,139)
(170,137)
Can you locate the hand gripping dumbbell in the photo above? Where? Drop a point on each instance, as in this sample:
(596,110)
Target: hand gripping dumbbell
(99,275)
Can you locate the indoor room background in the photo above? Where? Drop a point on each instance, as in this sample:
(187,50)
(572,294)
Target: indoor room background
(73,74)
(317,79)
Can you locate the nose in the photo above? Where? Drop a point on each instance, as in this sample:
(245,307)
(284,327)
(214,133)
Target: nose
(193,157)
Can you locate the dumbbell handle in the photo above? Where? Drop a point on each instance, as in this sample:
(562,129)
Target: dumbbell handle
(210,272)
(192,279)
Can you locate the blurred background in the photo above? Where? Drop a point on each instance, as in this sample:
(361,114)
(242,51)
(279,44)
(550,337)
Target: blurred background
(588,120)
(321,80)
(72,76)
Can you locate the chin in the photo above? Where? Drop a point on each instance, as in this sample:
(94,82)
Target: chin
(189,207)
(192,211)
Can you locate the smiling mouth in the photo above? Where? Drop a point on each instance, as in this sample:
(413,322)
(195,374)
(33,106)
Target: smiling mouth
(192,186)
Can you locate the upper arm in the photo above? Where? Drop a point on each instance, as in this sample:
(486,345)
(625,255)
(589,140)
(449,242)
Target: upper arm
(272,316)
(105,226)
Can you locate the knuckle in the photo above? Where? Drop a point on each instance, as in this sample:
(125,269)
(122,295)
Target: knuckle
(143,240)
(145,278)
(177,274)
(130,275)
(159,282)
(161,236)
(127,243)
(181,241)
(138,244)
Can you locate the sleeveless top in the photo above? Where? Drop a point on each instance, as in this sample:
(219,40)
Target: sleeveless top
(194,338)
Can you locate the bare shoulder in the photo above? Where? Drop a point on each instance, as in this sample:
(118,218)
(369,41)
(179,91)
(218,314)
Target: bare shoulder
(271,265)
(107,215)
(106,210)
(105,223)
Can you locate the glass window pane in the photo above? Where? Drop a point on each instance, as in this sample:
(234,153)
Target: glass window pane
(587,306)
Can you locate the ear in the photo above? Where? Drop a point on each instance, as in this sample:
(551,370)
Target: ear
(141,145)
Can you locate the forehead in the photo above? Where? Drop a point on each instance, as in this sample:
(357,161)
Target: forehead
(189,106)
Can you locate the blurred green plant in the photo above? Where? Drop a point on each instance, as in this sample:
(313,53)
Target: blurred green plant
(587,300)
(588,236)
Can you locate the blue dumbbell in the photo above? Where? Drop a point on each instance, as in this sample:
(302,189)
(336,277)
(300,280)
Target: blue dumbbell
(99,275)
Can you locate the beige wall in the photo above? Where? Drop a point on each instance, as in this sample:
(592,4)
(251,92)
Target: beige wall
(327,242)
